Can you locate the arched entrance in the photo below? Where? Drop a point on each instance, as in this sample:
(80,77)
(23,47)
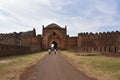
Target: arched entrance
(54,32)
(54,40)
(54,45)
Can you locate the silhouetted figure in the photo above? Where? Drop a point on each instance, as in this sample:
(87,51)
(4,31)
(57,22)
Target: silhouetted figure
(55,51)
(49,51)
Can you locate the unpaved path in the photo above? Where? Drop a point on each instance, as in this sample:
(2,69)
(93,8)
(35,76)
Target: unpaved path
(55,67)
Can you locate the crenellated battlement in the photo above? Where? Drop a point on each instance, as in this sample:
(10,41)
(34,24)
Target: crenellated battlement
(99,34)
(105,42)
(23,42)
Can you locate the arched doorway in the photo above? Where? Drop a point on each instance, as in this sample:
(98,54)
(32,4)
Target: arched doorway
(54,40)
(54,45)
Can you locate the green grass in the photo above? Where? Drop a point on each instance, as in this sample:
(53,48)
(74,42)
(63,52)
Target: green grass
(13,66)
(102,67)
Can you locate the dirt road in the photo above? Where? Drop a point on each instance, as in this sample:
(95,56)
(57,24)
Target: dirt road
(55,67)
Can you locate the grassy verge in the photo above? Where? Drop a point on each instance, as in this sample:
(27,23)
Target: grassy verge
(11,67)
(101,67)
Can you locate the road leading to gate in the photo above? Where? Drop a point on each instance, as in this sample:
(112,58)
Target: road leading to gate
(55,67)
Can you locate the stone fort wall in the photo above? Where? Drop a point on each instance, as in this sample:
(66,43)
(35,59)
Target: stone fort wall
(8,50)
(106,43)
(19,43)
(71,43)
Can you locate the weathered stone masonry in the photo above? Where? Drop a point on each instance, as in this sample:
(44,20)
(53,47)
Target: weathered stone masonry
(53,33)
(19,43)
(7,50)
(106,43)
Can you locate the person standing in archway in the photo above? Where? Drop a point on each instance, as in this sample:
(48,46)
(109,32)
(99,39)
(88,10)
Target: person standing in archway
(55,51)
(49,51)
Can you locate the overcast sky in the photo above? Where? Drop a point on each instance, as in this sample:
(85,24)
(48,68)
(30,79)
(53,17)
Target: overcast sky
(77,15)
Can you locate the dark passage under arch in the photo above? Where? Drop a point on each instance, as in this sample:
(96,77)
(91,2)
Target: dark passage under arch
(54,43)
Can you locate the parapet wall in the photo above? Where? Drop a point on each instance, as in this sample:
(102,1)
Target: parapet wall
(8,50)
(19,43)
(105,43)
(71,43)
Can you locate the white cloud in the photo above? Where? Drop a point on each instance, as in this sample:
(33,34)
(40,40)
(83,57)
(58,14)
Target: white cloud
(78,15)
